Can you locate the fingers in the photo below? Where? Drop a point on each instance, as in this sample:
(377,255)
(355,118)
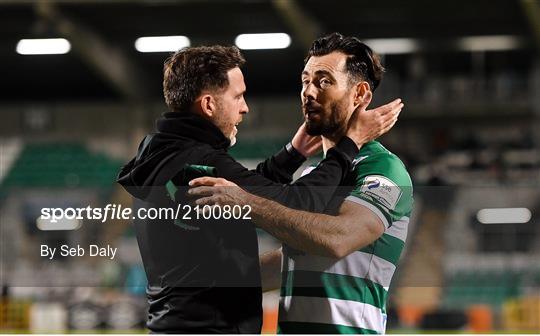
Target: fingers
(306,144)
(395,113)
(201,191)
(398,108)
(315,141)
(390,107)
(389,124)
(205,180)
(395,109)
(392,119)
(212,200)
(211,181)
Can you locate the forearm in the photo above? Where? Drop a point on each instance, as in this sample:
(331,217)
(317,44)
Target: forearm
(333,236)
(281,166)
(313,233)
(312,192)
(271,270)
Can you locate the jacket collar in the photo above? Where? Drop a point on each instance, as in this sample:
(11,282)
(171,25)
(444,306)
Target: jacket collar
(192,126)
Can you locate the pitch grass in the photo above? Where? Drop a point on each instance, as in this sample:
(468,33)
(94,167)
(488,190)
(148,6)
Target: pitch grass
(391,331)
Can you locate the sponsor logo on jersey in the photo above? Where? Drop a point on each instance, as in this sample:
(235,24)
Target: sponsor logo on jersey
(383,190)
(374,184)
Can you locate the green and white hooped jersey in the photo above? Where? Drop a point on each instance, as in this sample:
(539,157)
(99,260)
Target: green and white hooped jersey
(348,295)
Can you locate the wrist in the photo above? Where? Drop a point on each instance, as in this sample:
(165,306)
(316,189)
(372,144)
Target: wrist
(348,147)
(359,141)
(295,150)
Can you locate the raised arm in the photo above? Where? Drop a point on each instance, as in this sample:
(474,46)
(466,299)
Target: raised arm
(380,202)
(281,166)
(354,227)
(328,175)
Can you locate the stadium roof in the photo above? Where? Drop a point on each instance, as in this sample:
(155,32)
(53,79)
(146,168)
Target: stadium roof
(103,63)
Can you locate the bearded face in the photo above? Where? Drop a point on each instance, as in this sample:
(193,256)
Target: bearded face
(326,120)
(327,96)
(230,105)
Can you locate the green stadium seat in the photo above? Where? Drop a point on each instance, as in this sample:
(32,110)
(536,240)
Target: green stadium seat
(60,165)
(481,287)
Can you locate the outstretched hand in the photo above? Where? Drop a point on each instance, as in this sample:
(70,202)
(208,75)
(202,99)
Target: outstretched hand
(307,145)
(368,125)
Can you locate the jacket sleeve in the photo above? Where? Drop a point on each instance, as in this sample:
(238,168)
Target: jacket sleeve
(281,166)
(312,192)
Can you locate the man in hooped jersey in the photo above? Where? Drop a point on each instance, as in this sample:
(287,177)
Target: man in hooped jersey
(336,267)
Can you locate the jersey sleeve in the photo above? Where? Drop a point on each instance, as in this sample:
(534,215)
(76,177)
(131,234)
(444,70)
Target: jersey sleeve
(383,185)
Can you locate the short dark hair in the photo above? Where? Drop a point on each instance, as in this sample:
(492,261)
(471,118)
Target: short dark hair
(190,71)
(362,63)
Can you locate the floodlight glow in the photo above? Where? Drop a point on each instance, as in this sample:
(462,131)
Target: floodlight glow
(490,43)
(161,43)
(389,46)
(62,224)
(50,46)
(504,216)
(263,41)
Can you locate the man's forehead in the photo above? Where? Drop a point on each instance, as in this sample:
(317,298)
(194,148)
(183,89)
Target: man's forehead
(333,62)
(235,74)
(236,78)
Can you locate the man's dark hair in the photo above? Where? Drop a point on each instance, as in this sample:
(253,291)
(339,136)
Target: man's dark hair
(362,63)
(190,71)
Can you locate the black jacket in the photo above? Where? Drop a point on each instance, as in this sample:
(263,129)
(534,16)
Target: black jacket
(205,278)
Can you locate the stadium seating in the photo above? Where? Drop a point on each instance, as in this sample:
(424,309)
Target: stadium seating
(59,165)
(489,287)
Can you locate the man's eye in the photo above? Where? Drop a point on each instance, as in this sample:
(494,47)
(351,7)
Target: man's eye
(325,81)
(305,82)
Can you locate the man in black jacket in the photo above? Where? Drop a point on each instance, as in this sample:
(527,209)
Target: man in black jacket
(206,279)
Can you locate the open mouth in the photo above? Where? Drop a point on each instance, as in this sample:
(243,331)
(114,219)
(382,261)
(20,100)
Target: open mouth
(312,116)
(310,109)
(311,112)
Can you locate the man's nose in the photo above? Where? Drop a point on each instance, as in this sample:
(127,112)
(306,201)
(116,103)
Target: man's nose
(309,92)
(245,108)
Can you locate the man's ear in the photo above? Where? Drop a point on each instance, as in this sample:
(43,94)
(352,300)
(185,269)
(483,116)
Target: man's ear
(363,94)
(207,105)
